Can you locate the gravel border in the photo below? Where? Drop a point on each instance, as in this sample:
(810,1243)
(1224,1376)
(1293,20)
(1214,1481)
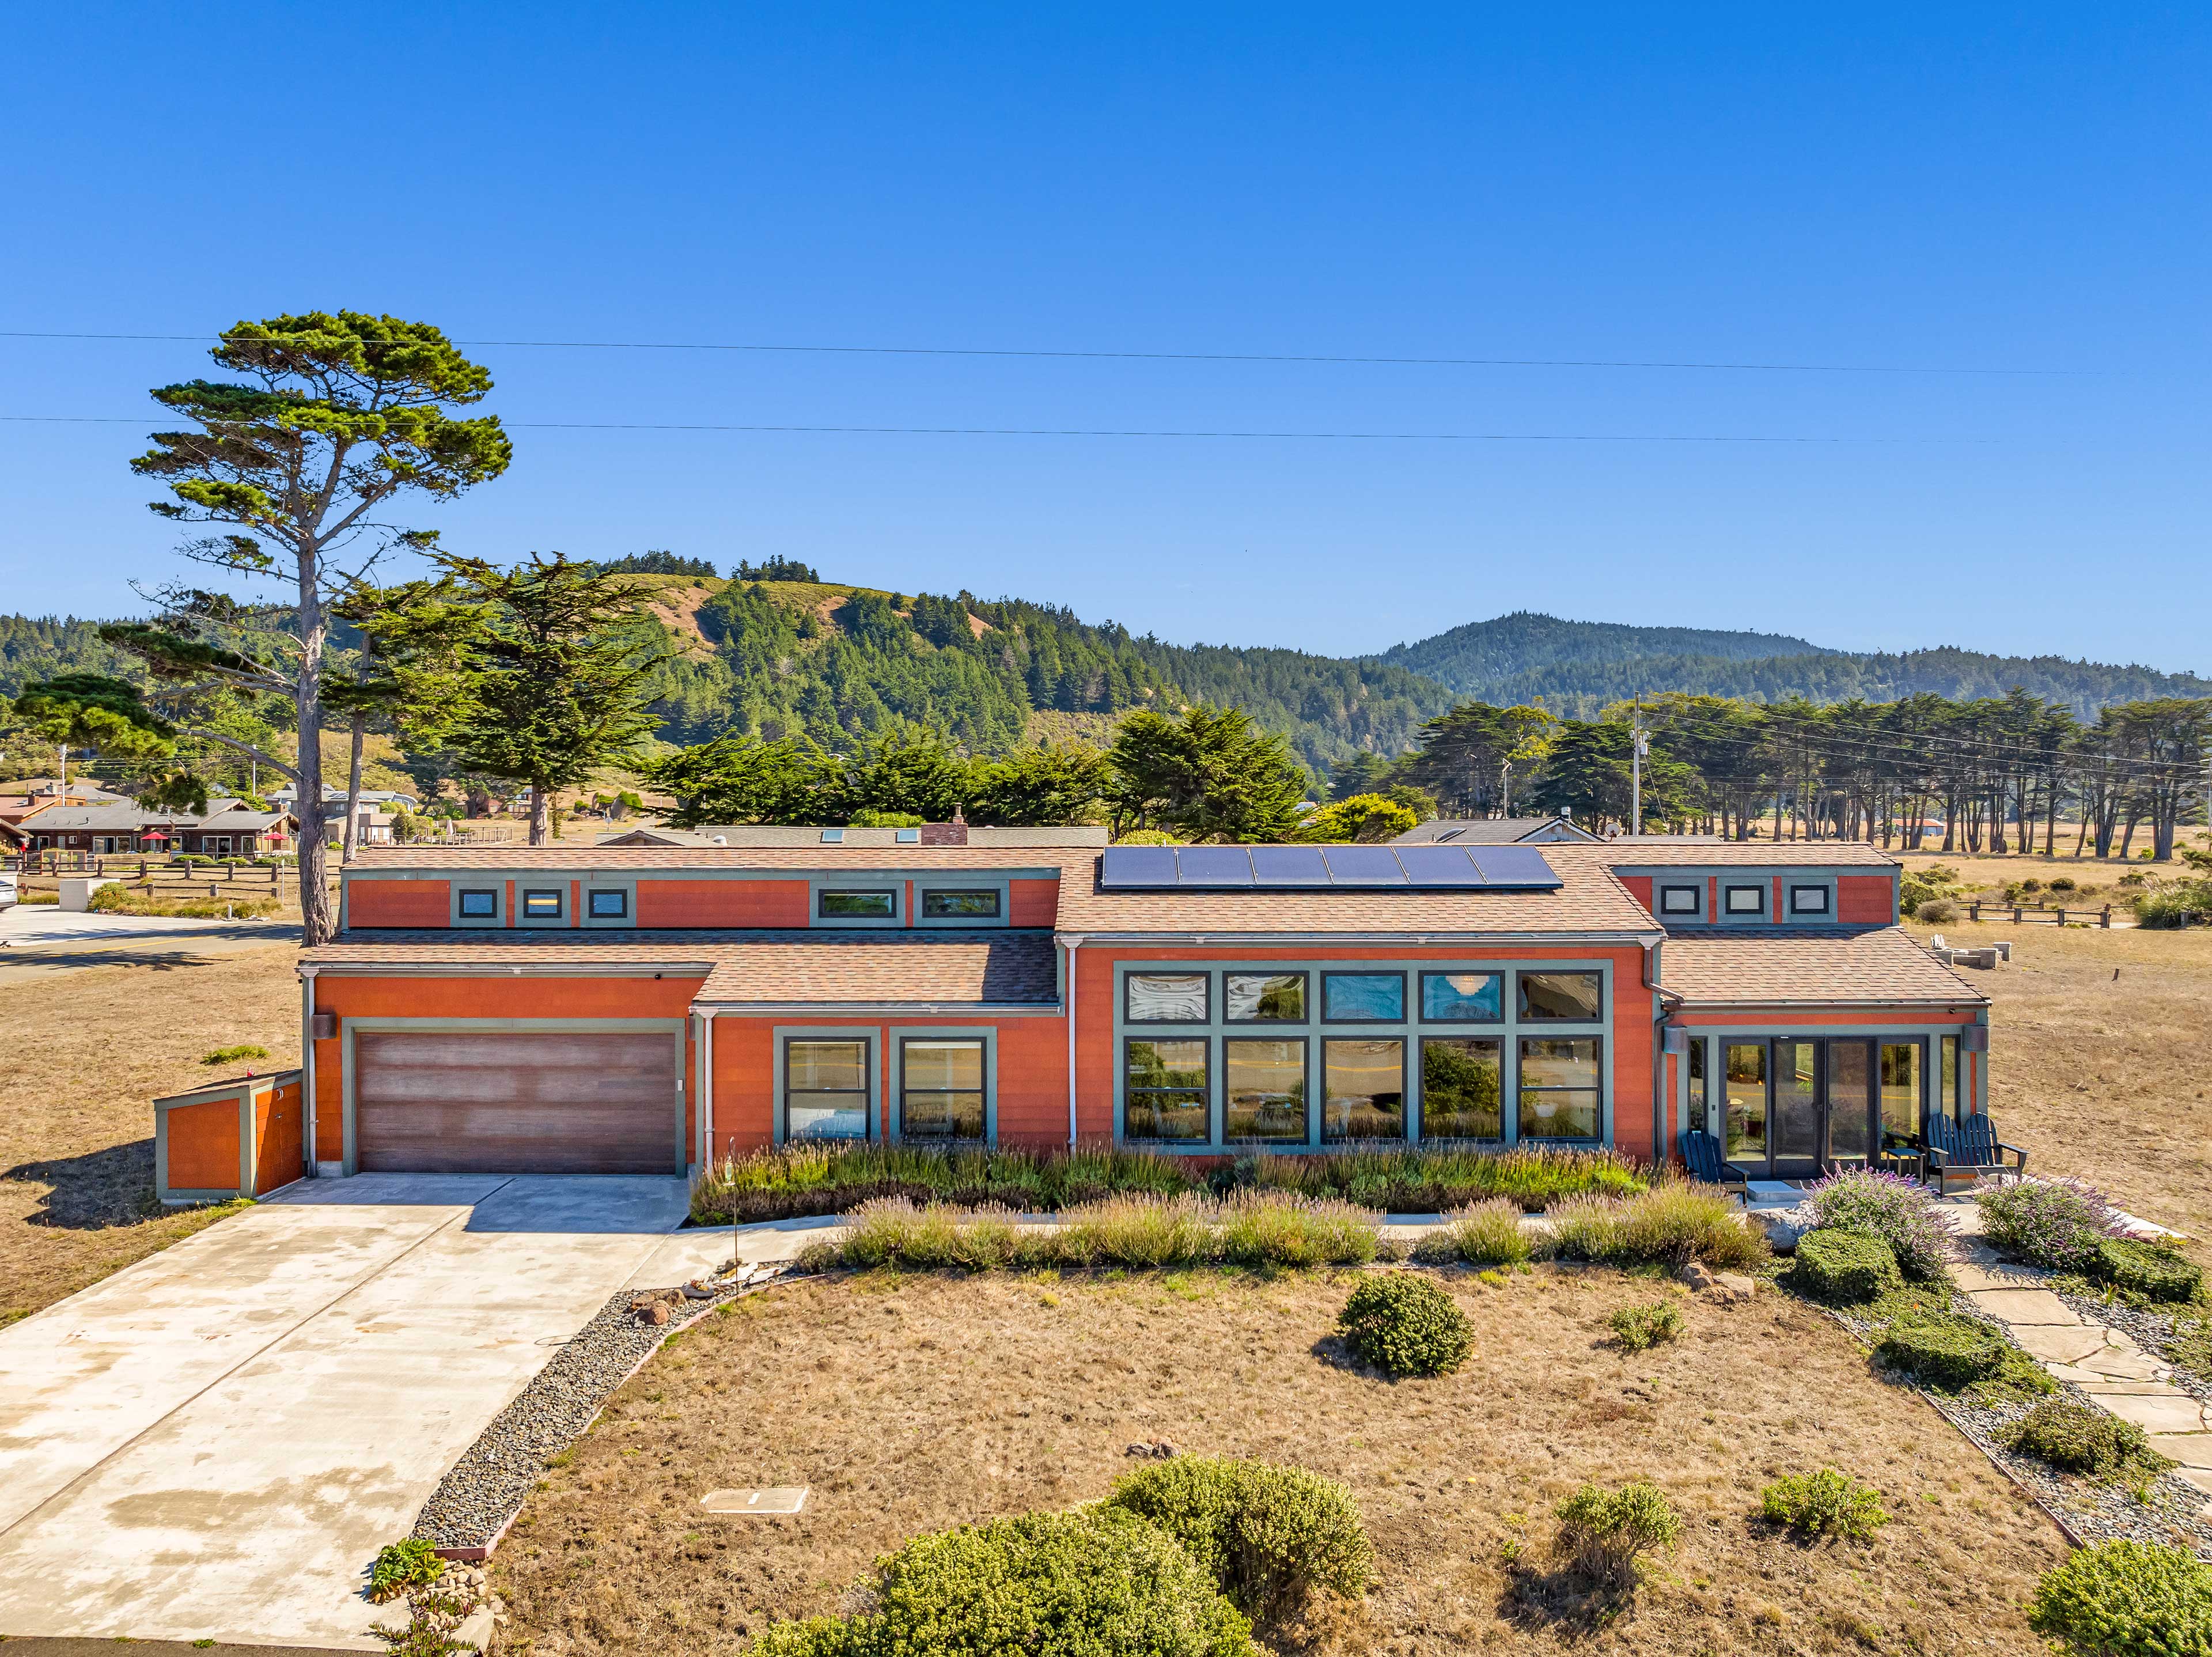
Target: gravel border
(480,1496)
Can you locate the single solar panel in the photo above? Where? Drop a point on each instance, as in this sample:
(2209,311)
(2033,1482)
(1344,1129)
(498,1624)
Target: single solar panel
(1213,866)
(1126,869)
(1289,866)
(1515,869)
(1439,866)
(1363,866)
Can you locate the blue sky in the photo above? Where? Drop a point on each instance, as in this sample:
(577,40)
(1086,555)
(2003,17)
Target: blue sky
(1870,190)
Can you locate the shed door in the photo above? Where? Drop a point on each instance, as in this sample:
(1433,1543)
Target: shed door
(517,1102)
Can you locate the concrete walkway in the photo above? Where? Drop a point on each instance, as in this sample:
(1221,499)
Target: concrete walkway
(213,1442)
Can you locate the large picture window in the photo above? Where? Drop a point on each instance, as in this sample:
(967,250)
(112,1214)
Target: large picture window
(1578,997)
(941,1089)
(1558,1090)
(1900,1092)
(1363,997)
(1168,1094)
(1264,1088)
(1264,997)
(859,905)
(959,905)
(1462,997)
(1745,1082)
(1462,1090)
(825,1089)
(1166,997)
(1362,1088)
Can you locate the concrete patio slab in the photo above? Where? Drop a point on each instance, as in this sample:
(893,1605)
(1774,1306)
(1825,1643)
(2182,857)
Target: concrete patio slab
(2026,1306)
(227,1470)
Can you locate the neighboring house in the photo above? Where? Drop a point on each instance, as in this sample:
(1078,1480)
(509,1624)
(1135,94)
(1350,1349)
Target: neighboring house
(234,829)
(645,1007)
(229,830)
(1494,832)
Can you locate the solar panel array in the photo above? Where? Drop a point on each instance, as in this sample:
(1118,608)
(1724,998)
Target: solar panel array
(1322,869)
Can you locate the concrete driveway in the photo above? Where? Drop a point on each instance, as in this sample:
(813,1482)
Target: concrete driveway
(213,1442)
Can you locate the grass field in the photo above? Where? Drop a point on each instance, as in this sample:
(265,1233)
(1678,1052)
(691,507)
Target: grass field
(910,1403)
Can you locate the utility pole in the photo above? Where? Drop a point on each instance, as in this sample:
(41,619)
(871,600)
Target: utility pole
(64,768)
(1638,745)
(1508,810)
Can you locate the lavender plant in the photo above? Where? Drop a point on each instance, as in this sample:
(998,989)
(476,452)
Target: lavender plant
(1902,1214)
(2054,1223)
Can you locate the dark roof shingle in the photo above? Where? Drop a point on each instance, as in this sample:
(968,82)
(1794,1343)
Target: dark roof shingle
(1881,966)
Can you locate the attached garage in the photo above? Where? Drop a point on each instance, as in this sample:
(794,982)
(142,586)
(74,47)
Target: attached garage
(450,1100)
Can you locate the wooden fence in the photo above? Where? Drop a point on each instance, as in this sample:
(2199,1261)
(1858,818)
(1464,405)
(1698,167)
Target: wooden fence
(2027,914)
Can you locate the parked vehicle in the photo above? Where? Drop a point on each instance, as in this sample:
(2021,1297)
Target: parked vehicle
(9,893)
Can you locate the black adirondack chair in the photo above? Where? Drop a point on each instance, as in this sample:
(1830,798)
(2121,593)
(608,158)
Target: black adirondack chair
(1960,1152)
(1702,1153)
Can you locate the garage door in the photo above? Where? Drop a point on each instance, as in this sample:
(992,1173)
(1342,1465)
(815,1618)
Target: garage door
(516,1102)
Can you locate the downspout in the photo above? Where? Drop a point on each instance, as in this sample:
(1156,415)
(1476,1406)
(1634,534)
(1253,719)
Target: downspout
(707,1093)
(1074,943)
(307,1064)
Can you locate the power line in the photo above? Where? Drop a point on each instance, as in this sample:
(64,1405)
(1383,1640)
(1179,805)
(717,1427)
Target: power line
(1668,364)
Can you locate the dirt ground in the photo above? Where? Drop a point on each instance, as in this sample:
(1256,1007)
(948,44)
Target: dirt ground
(910,1403)
(2101,1059)
(87,1051)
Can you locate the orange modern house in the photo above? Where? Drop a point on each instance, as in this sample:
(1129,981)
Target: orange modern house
(641,1009)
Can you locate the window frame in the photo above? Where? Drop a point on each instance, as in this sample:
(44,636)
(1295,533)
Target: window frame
(1497,975)
(784,1042)
(1128,986)
(1522,1014)
(985,1094)
(1327,1017)
(1694,893)
(890,894)
(923,895)
(1304,1045)
(1305,1001)
(1408,1128)
(593,894)
(1207,1104)
(1596,1090)
(1497,1039)
(461,896)
(1757,911)
(1827,911)
(528,894)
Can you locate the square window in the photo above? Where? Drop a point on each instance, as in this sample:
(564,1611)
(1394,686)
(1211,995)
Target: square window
(833,837)
(1167,1096)
(609,905)
(1577,995)
(1363,997)
(941,1090)
(1266,1090)
(910,837)
(959,905)
(1362,1088)
(1462,1088)
(1678,900)
(1264,997)
(1166,997)
(860,905)
(1808,900)
(1745,900)
(541,905)
(1462,997)
(479,905)
(1559,1092)
(825,1089)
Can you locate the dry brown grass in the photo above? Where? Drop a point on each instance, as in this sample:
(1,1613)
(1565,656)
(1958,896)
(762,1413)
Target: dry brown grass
(912,1404)
(88,1049)
(2099,1063)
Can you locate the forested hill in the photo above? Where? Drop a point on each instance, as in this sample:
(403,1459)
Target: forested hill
(1576,669)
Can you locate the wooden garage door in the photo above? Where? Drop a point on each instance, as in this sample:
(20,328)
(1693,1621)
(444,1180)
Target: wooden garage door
(515,1102)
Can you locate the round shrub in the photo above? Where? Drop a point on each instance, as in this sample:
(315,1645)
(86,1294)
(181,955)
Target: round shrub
(1097,1581)
(2127,1599)
(1935,911)
(2054,1223)
(1899,1212)
(2079,1437)
(1845,1267)
(1825,1503)
(2147,1269)
(1638,1327)
(1405,1326)
(1949,1353)
(1605,1533)
(1268,1536)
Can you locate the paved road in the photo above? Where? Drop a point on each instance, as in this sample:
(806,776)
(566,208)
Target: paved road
(213,1442)
(37,941)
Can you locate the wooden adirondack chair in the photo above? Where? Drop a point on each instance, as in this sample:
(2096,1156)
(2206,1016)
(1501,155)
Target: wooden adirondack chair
(1701,1152)
(1960,1152)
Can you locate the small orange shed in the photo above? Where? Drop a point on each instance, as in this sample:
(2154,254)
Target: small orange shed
(236,1138)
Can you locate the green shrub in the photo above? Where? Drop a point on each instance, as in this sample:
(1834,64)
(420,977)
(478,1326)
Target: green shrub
(1668,1225)
(1935,911)
(1137,1232)
(232,1055)
(1096,1582)
(1605,1533)
(1435,1180)
(1844,1267)
(2151,1269)
(2054,1223)
(1268,1536)
(2127,1599)
(1266,1228)
(1405,1326)
(2081,1439)
(1825,1503)
(1638,1327)
(399,1565)
(1948,1353)
(1482,1235)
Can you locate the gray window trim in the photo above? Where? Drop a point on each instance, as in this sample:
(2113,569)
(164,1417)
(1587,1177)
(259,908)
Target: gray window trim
(999,887)
(523,895)
(1526,972)
(870,1089)
(1729,888)
(1248,1031)
(1153,970)
(1122,1087)
(1697,896)
(1826,888)
(460,903)
(593,896)
(1341,1032)
(1421,1012)
(1353,1024)
(823,894)
(987,1034)
(1305,999)
(1577,1033)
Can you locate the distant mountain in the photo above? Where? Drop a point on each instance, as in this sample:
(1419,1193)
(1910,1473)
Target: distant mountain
(1577,667)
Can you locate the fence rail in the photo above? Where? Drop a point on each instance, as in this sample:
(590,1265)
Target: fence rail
(2028,914)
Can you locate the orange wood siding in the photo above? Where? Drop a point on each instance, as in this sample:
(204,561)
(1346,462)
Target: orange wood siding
(278,1118)
(1032,903)
(203,1146)
(1640,887)
(721,902)
(744,1078)
(398,903)
(1033,1083)
(1865,900)
(1629,1054)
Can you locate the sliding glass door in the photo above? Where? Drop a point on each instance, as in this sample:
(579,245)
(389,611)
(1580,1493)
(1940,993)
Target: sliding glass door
(1795,1107)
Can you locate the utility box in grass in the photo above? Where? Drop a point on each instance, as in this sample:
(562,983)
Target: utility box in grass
(77,890)
(240,1138)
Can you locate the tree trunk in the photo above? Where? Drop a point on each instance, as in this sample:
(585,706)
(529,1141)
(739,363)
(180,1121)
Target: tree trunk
(349,835)
(541,816)
(317,919)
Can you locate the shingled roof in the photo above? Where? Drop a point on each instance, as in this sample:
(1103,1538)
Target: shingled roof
(1881,966)
(1654,851)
